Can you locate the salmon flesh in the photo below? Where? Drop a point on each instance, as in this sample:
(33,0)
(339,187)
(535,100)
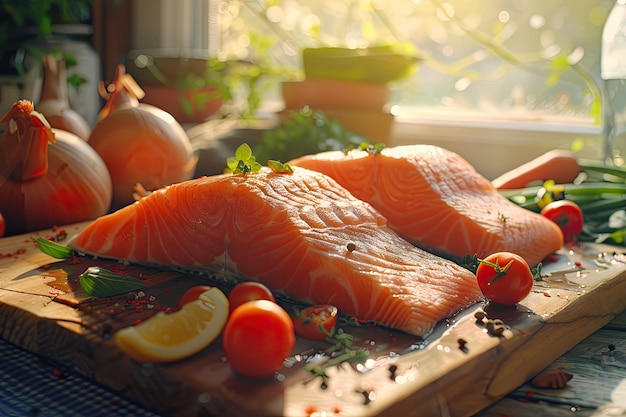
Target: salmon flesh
(436,200)
(301,234)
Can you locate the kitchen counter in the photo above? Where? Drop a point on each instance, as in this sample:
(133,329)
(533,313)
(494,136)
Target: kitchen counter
(44,311)
(57,332)
(32,386)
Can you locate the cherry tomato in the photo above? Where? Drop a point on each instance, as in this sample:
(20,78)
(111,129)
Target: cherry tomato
(567,215)
(2,225)
(504,278)
(316,321)
(192,294)
(248,291)
(258,336)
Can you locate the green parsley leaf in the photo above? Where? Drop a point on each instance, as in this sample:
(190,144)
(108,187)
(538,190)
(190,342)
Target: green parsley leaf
(100,282)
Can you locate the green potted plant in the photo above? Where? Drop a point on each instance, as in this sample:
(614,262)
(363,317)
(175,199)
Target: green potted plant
(351,85)
(195,87)
(28,32)
(23,22)
(190,88)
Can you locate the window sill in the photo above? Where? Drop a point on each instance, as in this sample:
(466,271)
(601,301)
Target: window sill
(494,146)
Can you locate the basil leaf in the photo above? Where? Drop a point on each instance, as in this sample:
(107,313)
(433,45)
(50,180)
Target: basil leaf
(54,249)
(100,282)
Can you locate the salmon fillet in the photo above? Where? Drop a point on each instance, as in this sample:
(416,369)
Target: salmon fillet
(436,200)
(301,234)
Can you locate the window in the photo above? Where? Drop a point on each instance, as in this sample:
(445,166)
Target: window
(488,56)
(518,77)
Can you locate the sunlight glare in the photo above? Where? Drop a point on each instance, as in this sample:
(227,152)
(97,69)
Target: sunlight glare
(536,21)
(504,16)
(462,84)
(576,55)
(274,14)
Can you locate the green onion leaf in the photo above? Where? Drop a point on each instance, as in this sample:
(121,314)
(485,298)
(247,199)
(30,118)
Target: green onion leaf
(54,249)
(100,282)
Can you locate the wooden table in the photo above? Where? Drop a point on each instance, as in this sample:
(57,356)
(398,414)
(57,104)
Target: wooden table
(597,389)
(43,309)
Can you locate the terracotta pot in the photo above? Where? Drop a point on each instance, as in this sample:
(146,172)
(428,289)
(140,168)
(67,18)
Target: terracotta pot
(323,94)
(187,106)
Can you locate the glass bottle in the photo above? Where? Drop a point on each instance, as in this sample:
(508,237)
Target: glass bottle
(613,74)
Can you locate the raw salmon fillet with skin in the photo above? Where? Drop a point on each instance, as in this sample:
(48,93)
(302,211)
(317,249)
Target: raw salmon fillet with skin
(293,232)
(436,200)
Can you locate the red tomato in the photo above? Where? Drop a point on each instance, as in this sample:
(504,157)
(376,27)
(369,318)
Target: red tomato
(192,294)
(258,336)
(316,321)
(2,225)
(504,278)
(248,291)
(567,215)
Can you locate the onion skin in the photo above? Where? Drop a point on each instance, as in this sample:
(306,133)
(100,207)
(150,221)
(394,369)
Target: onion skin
(75,185)
(141,144)
(54,102)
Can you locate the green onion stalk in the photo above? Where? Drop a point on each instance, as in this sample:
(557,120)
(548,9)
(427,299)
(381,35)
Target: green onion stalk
(599,191)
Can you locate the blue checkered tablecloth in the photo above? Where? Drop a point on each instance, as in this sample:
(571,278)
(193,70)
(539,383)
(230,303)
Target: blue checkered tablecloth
(31,387)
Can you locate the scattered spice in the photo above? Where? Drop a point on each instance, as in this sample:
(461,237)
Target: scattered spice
(368,395)
(107,328)
(495,327)
(480,315)
(392,371)
(351,247)
(462,344)
(58,373)
(309,410)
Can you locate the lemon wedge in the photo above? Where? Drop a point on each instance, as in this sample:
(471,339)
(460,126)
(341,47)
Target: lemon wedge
(174,336)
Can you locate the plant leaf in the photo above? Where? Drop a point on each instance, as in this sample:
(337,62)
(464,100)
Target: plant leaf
(53,249)
(243,152)
(100,282)
(279,167)
(231,163)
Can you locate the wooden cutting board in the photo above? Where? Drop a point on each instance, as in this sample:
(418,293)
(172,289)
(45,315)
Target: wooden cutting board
(43,309)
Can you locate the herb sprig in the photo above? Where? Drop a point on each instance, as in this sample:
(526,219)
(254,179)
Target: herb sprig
(341,350)
(370,148)
(279,167)
(243,162)
(304,132)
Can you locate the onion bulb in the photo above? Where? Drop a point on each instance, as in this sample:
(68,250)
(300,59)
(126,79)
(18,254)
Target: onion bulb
(138,142)
(54,103)
(48,177)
